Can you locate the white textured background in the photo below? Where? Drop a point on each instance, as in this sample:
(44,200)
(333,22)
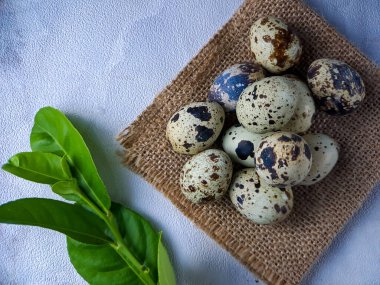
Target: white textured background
(102,62)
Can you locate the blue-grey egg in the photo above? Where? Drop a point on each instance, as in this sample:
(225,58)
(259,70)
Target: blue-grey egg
(228,85)
(336,86)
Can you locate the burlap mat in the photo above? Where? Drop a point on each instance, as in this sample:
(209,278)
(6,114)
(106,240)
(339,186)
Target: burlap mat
(279,254)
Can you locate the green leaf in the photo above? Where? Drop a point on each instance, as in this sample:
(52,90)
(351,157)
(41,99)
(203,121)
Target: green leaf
(68,189)
(166,274)
(53,132)
(100,265)
(46,168)
(139,236)
(72,220)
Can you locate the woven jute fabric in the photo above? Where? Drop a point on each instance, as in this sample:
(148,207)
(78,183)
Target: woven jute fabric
(282,253)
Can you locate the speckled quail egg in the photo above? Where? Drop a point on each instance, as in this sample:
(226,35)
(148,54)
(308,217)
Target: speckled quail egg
(336,86)
(206,176)
(305,109)
(273,45)
(267,105)
(240,145)
(283,159)
(228,86)
(195,127)
(325,153)
(257,200)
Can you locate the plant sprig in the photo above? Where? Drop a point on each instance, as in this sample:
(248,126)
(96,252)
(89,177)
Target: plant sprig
(107,243)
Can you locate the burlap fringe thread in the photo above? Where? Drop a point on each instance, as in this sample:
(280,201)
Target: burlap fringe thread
(283,253)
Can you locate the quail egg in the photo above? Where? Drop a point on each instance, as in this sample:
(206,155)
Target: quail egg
(305,109)
(228,86)
(336,86)
(325,153)
(273,45)
(267,105)
(240,145)
(195,127)
(283,159)
(206,176)
(258,201)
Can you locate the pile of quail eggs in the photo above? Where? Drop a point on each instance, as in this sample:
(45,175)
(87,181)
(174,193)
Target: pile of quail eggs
(269,148)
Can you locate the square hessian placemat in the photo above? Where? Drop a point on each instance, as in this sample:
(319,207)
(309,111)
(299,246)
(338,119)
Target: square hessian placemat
(282,253)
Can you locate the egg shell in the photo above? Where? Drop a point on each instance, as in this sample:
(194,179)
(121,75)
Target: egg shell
(195,127)
(228,85)
(336,86)
(267,105)
(258,201)
(283,159)
(325,153)
(240,145)
(206,176)
(273,45)
(305,110)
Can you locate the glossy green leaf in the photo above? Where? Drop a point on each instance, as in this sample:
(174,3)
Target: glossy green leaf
(46,168)
(69,219)
(100,264)
(53,132)
(166,274)
(68,189)
(140,238)
(124,249)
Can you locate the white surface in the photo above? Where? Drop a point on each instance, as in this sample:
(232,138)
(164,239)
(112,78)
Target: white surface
(102,64)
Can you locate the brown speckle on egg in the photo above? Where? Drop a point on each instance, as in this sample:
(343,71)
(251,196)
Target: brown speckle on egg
(271,94)
(204,186)
(275,46)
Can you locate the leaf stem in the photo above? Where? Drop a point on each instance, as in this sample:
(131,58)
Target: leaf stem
(119,246)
